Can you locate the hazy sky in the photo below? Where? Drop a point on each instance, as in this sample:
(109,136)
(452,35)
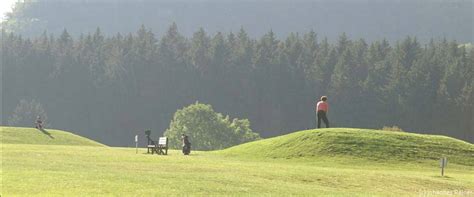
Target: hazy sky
(5,6)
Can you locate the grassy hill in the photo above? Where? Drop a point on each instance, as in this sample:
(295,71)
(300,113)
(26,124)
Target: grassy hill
(305,163)
(20,135)
(360,143)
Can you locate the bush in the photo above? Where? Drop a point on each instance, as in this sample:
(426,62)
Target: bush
(26,112)
(393,128)
(207,129)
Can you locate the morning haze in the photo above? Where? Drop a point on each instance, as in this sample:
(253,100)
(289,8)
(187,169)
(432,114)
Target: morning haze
(244,98)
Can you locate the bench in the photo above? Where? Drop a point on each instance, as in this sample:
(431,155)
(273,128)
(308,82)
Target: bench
(160,147)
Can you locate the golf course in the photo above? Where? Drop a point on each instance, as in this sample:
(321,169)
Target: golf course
(236,98)
(334,162)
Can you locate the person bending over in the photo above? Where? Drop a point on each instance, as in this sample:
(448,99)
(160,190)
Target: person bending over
(186,144)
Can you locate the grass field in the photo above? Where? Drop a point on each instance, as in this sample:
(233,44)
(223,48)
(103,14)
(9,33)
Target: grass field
(295,164)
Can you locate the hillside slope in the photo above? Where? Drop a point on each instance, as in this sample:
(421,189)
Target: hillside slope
(361,143)
(21,135)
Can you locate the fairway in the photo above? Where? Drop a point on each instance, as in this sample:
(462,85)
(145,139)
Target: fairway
(88,170)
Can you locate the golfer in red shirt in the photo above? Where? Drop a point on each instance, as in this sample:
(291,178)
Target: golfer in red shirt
(322,109)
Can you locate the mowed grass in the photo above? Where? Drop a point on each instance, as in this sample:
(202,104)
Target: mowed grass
(370,144)
(62,170)
(21,135)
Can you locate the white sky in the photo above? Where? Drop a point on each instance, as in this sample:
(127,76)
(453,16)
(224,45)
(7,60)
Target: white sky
(5,6)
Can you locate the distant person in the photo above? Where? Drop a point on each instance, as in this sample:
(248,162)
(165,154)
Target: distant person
(39,122)
(186,144)
(322,108)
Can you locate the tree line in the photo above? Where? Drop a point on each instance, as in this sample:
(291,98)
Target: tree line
(110,87)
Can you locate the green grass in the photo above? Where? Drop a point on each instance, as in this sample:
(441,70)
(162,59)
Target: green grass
(251,169)
(358,143)
(19,135)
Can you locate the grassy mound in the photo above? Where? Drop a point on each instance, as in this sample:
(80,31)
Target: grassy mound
(361,143)
(19,135)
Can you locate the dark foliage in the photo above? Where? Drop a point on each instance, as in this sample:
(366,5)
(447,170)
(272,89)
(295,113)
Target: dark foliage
(108,87)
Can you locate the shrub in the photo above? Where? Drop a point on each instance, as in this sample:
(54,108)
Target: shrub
(207,129)
(25,114)
(392,128)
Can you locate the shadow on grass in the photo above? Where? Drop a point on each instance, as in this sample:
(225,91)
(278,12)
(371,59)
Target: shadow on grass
(443,177)
(190,155)
(46,133)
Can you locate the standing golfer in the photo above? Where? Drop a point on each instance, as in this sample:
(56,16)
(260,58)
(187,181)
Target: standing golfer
(39,123)
(322,110)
